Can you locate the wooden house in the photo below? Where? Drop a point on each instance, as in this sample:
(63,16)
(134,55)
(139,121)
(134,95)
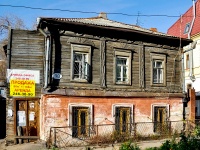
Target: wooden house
(91,71)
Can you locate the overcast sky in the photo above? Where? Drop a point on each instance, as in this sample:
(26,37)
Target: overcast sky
(160,14)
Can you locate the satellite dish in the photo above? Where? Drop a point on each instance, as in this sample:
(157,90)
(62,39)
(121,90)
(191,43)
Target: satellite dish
(57,76)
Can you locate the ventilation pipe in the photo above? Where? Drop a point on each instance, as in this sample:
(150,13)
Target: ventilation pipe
(47,50)
(191,74)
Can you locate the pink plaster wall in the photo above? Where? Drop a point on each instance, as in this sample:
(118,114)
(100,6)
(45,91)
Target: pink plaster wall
(54,110)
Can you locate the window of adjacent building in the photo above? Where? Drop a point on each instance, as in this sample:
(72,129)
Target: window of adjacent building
(187,61)
(81,62)
(158,65)
(122,67)
(187,28)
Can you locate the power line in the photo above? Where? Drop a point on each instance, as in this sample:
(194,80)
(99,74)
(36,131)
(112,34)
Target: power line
(77,11)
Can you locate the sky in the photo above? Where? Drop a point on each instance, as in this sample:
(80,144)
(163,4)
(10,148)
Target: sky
(160,14)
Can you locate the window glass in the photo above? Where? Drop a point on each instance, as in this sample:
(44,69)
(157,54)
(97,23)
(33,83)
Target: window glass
(121,69)
(187,28)
(157,71)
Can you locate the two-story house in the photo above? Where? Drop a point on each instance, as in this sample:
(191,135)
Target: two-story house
(82,72)
(188,26)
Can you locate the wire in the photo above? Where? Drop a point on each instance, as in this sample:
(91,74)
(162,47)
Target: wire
(77,11)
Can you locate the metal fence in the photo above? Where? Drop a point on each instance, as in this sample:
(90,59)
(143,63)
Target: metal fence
(74,136)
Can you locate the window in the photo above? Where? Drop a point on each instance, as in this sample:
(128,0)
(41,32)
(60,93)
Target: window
(81,62)
(158,65)
(160,119)
(158,71)
(160,115)
(187,28)
(80,118)
(187,61)
(122,67)
(80,121)
(123,117)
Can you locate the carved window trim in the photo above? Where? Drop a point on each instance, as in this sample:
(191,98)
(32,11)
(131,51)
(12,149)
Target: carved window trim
(82,49)
(123,54)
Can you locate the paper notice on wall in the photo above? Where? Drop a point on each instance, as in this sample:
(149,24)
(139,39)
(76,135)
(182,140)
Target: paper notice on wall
(21,118)
(31,116)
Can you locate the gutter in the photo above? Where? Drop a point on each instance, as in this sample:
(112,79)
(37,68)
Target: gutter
(191,74)
(47,50)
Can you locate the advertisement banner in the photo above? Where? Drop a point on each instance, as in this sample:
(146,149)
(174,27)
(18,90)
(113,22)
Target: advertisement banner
(18,74)
(22,88)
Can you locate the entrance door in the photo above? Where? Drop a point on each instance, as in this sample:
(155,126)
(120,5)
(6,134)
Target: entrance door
(27,117)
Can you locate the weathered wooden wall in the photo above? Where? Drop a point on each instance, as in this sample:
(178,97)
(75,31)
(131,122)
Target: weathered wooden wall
(26,52)
(141,76)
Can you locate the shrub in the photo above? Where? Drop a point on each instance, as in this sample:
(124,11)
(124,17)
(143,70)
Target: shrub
(129,146)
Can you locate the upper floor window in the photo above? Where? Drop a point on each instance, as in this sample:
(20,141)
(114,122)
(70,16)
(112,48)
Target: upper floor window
(80,62)
(158,71)
(187,61)
(187,28)
(122,67)
(158,65)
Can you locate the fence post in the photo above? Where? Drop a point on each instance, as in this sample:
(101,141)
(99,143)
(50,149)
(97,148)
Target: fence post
(97,134)
(54,140)
(135,130)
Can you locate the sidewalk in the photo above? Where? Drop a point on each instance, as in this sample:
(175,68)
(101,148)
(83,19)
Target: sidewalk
(40,146)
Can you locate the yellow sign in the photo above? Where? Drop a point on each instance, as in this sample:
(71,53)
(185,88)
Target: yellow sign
(22,88)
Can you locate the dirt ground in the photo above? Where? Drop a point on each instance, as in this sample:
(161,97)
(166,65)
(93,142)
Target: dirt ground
(41,146)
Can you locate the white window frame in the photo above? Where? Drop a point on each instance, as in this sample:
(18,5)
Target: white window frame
(127,55)
(81,49)
(159,58)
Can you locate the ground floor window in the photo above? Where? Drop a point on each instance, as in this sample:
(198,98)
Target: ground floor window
(122,119)
(80,121)
(160,118)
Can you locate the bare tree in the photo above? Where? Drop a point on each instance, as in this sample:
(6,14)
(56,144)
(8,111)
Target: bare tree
(10,21)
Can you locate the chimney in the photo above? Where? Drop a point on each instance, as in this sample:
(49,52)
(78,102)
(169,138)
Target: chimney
(103,15)
(154,29)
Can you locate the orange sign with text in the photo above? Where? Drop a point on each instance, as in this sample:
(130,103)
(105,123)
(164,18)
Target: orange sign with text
(22,88)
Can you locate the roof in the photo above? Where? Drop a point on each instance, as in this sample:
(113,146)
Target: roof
(178,28)
(104,22)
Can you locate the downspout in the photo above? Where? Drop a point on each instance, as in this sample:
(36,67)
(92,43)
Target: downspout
(47,50)
(191,74)
(9,47)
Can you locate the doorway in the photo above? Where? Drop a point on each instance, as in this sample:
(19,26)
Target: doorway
(27,117)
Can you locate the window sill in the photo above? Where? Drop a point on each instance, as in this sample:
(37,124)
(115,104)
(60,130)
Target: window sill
(158,84)
(122,83)
(80,80)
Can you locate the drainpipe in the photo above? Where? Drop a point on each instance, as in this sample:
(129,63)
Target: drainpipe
(47,50)
(192,77)
(9,47)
